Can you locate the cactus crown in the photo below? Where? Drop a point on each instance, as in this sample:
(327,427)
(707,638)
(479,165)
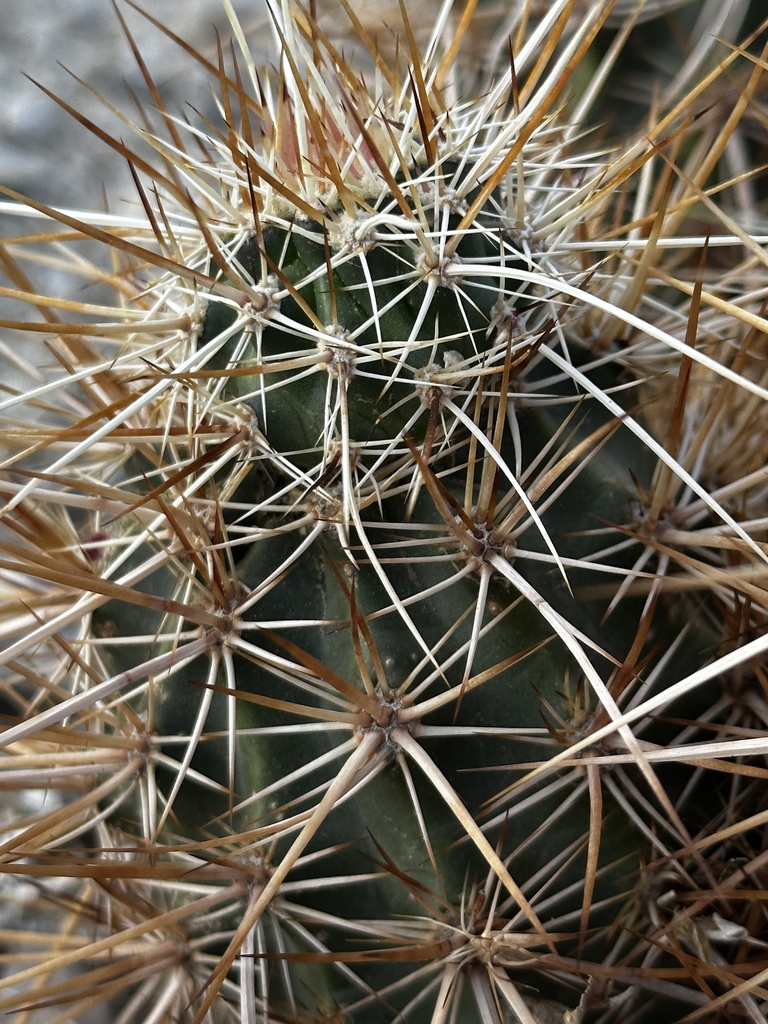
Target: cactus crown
(387,569)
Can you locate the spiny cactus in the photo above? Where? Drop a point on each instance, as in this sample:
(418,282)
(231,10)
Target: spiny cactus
(385,570)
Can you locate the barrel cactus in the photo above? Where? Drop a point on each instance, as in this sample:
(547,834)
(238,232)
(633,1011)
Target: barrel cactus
(385,568)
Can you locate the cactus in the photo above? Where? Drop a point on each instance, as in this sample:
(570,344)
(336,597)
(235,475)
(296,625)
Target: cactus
(385,569)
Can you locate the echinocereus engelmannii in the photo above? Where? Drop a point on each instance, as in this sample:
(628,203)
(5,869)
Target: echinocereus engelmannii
(385,568)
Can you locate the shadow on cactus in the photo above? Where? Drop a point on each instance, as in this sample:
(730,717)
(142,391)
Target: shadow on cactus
(386,570)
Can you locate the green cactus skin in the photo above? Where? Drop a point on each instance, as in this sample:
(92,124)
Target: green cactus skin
(406,595)
(386,605)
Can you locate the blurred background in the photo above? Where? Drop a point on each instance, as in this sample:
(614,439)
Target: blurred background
(44,153)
